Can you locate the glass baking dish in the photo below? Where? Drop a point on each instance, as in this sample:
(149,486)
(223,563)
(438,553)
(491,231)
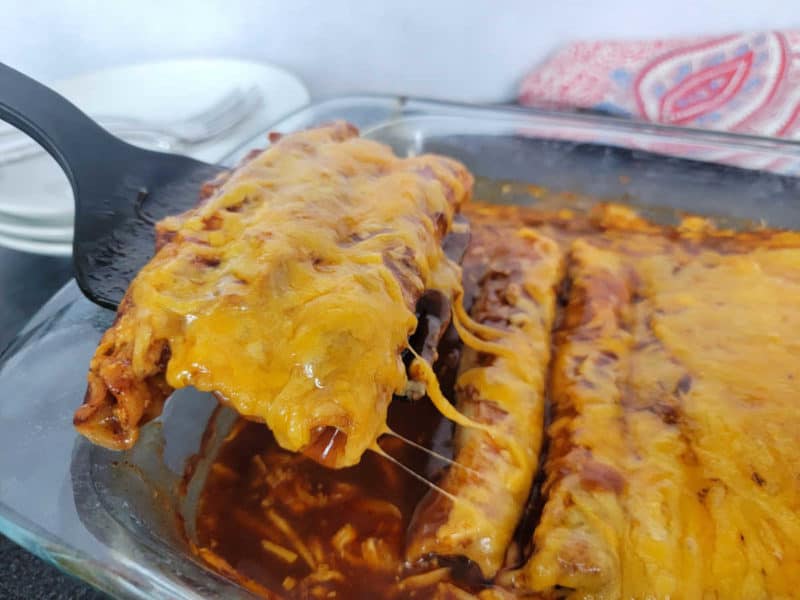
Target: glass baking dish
(112,519)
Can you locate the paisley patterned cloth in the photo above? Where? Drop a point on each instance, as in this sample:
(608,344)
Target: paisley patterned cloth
(746,83)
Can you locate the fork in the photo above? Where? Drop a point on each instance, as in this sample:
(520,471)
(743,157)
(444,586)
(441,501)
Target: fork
(220,117)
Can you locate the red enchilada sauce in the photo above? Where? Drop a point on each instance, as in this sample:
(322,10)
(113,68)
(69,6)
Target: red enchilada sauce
(281,524)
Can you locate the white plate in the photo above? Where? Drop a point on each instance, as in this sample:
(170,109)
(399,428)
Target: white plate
(35,247)
(32,230)
(37,189)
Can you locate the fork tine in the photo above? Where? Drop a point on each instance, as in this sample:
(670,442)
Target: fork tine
(236,114)
(246,101)
(223,119)
(219,107)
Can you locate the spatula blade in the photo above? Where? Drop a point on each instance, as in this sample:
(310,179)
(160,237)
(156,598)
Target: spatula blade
(115,220)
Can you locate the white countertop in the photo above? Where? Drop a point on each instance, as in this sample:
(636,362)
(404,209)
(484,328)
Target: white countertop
(472,50)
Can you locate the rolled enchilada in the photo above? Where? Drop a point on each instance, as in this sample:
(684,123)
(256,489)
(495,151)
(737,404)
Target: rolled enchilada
(289,292)
(485,491)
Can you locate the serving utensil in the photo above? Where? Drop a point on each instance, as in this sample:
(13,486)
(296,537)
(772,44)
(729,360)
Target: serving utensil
(215,120)
(120,190)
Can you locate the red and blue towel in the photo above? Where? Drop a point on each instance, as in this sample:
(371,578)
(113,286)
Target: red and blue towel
(748,82)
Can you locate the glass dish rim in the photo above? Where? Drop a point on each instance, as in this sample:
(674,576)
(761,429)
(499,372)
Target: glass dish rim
(404,107)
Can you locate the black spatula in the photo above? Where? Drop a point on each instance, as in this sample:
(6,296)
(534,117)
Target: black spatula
(120,190)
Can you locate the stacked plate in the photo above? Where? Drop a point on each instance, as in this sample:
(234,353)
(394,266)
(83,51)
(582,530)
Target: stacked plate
(36,210)
(35,215)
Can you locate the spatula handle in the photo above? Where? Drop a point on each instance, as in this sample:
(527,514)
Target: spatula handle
(70,136)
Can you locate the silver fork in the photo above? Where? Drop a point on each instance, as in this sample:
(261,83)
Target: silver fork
(222,116)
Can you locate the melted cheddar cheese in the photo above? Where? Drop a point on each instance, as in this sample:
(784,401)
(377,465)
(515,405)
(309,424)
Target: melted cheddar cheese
(290,292)
(671,466)
(486,489)
(675,394)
